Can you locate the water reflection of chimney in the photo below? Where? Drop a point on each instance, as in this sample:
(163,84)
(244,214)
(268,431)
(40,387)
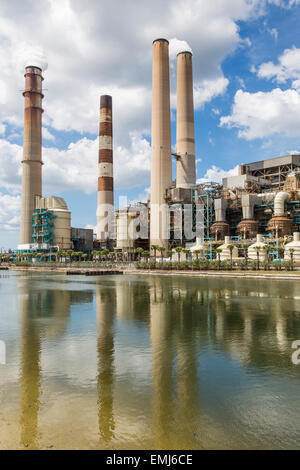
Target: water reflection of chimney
(162,369)
(30,370)
(106,369)
(187,379)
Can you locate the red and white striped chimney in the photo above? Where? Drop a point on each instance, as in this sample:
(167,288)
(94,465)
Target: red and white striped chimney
(105,211)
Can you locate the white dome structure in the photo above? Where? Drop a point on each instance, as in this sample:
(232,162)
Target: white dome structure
(198,247)
(294,245)
(252,250)
(226,252)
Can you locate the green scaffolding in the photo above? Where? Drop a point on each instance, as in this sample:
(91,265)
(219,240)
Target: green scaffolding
(43,227)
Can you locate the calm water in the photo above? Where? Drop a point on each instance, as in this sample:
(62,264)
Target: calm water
(148,362)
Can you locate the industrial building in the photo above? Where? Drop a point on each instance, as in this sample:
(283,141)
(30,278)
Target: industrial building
(262,200)
(259,205)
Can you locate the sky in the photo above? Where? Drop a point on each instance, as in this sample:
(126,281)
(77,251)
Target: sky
(246,60)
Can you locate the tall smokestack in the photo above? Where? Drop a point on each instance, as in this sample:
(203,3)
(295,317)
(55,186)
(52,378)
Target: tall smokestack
(32,149)
(161,165)
(105,210)
(186,164)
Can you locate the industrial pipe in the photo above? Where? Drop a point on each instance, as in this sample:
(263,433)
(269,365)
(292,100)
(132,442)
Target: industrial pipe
(279,201)
(248,203)
(220,210)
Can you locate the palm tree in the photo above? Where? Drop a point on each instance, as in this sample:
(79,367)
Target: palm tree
(186,252)
(245,247)
(257,248)
(170,254)
(292,251)
(280,251)
(70,255)
(161,249)
(267,249)
(38,256)
(178,251)
(231,248)
(197,253)
(219,251)
(155,248)
(146,255)
(139,252)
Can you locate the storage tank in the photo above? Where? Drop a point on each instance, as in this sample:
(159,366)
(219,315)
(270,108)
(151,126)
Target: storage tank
(125,234)
(252,252)
(225,255)
(295,245)
(62,220)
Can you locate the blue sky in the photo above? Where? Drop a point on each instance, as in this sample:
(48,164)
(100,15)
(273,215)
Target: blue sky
(246,57)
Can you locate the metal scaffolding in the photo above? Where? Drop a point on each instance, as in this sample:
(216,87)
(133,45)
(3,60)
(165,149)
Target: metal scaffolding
(202,197)
(43,227)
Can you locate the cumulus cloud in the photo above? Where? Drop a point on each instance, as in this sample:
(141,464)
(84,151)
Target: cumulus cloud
(287,68)
(76,167)
(2,129)
(10,209)
(216,175)
(47,134)
(260,115)
(284,3)
(208,90)
(91,50)
(10,166)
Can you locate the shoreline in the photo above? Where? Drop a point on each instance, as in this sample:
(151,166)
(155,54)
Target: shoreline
(201,274)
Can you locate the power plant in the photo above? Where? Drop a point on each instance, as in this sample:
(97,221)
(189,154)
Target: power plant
(262,201)
(259,205)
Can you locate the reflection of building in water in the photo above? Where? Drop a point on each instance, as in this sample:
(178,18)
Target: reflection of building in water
(36,305)
(106,301)
(162,367)
(249,321)
(132,301)
(252,319)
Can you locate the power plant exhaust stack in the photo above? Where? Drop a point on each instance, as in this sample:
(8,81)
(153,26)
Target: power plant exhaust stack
(185,145)
(161,163)
(105,211)
(32,150)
